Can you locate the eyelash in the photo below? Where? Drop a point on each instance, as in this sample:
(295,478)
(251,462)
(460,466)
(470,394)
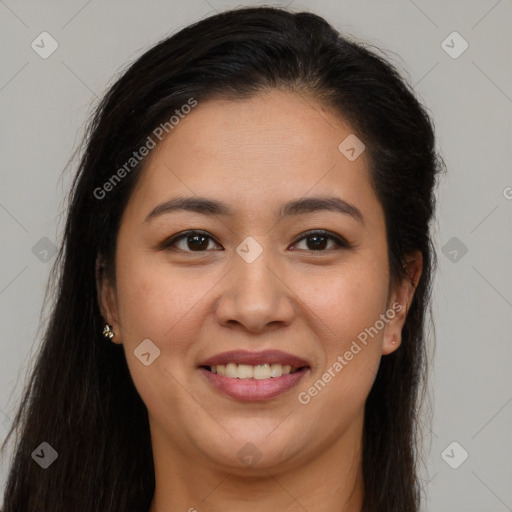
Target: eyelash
(168,243)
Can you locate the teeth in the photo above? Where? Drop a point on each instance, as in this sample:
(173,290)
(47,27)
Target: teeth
(247,371)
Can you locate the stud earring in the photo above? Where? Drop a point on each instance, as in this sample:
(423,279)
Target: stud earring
(107,331)
(394,339)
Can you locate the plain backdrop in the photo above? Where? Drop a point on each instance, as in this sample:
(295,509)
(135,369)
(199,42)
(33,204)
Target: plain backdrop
(44,103)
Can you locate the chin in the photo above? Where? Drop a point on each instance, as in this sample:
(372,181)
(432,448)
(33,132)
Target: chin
(248,450)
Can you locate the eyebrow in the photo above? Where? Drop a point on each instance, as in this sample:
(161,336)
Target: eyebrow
(206,206)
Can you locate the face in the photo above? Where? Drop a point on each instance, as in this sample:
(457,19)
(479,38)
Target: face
(245,275)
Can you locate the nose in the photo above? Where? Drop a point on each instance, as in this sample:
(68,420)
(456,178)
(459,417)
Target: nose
(255,296)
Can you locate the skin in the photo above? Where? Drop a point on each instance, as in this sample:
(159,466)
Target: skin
(255,155)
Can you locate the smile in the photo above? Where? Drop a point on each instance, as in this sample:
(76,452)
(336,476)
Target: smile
(253,376)
(247,371)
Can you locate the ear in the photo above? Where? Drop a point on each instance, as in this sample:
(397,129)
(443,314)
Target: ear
(107,300)
(400,301)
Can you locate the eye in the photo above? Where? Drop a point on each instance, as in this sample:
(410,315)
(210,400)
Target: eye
(319,239)
(189,241)
(198,241)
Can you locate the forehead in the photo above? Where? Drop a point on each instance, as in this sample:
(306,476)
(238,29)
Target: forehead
(288,126)
(255,153)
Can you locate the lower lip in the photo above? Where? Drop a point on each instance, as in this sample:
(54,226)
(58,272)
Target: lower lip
(254,389)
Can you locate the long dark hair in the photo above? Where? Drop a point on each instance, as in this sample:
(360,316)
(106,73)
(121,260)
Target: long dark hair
(80,397)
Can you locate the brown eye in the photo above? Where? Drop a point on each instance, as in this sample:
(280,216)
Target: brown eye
(197,241)
(318,240)
(190,241)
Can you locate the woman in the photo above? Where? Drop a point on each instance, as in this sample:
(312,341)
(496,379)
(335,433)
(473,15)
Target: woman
(243,284)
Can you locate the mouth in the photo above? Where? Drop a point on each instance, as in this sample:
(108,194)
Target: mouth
(250,376)
(257,372)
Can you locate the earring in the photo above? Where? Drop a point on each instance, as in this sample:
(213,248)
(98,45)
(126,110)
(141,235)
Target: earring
(394,339)
(107,331)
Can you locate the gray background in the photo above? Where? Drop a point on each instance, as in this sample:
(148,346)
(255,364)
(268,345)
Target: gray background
(44,103)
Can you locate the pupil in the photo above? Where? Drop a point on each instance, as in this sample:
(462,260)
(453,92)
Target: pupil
(195,245)
(317,245)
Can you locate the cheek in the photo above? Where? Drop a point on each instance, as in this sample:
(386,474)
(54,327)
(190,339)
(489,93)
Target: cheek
(156,301)
(162,305)
(347,301)
(347,307)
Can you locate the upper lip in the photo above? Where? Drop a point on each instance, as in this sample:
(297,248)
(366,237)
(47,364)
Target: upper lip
(255,358)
